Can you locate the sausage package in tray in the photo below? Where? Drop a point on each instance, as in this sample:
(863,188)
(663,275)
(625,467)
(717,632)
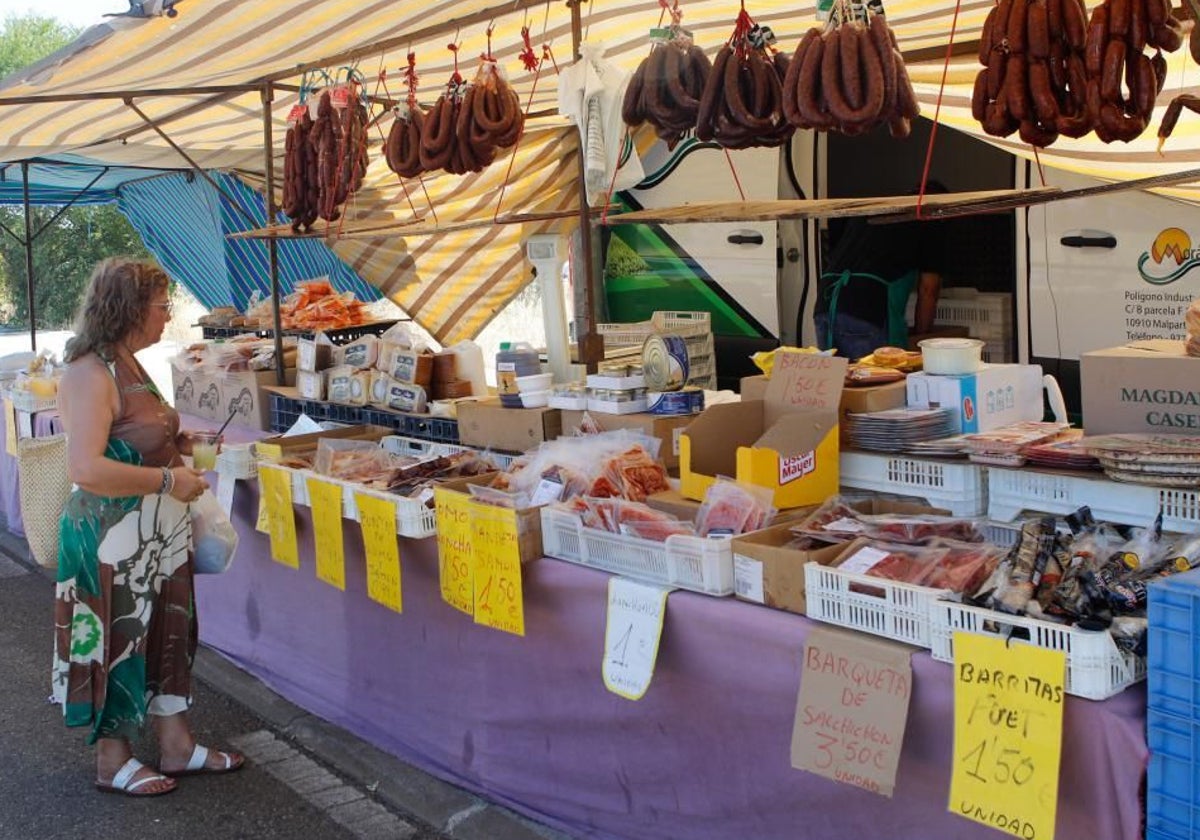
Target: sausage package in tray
(733,507)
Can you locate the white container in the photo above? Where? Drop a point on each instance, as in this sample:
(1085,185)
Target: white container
(957,486)
(949,356)
(469,357)
(534,383)
(888,608)
(535,399)
(1096,667)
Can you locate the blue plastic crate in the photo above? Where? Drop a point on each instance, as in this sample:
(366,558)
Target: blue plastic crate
(1173,659)
(1173,781)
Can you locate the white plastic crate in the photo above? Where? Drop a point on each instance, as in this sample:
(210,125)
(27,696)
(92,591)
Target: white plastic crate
(986,315)
(417,448)
(237,461)
(1096,667)
(957,486)
(887,608)
(696,563)
(413,518)
(29,401)
(1011,491)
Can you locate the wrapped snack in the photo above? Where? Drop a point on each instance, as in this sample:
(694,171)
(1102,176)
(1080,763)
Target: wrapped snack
(1028,562)
(359,461)
(731,507)
(500,498)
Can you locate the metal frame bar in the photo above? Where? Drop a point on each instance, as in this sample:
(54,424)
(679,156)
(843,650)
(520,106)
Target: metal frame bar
(29,237)
(226,90)
(272,252)
(129,104)
(64,208)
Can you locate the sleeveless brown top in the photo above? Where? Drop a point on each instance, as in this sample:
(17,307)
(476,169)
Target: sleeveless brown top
(145,422)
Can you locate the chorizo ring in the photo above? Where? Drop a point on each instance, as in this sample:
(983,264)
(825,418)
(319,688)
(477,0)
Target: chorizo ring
(1097,37)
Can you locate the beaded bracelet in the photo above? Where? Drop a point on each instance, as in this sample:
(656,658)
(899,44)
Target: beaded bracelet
(168,482)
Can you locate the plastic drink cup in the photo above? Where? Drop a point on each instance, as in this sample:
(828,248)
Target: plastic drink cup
(205,446)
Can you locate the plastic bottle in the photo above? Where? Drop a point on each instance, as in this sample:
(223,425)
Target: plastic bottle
(514,359)
(469,357)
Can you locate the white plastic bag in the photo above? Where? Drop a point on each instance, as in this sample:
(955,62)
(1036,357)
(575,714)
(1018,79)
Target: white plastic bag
(213,536)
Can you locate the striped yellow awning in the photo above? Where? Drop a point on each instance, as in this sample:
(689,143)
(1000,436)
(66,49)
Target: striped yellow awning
(198,76)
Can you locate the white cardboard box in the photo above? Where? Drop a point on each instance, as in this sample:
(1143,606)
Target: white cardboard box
(1145,386)
(993,396)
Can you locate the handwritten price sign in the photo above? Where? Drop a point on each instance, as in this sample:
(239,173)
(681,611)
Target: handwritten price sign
(852,708)
(281,517)
(806,381)
(455,555)
(498,600)
(326,500)
(1008,705)
(632,632)
(377,518)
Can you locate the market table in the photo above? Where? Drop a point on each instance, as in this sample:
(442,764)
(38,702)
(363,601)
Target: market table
(44,423)
(528,722)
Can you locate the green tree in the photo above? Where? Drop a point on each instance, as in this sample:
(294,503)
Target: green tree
(65,252)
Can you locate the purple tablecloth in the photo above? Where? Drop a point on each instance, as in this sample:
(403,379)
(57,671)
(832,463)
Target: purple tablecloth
(45,423)
(527,721)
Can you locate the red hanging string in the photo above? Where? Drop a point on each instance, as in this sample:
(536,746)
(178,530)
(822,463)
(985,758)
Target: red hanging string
(528,57)
(937,109)
(533,65)
(1037,158)
(612,185)
(411,79)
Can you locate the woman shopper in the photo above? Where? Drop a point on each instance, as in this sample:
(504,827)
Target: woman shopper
(125,618)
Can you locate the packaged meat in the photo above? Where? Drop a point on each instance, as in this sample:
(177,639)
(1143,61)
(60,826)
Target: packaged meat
(901,563)
(731,507)
(918,528)
(964,567)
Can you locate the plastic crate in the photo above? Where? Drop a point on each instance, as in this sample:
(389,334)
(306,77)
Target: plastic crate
(418,448)
(685,324)
(959,487)
(1011,491)
(285,411)
(413,518)
(1096,667)
(986,315)
(29,401)
(237,461)
(697,563)
(899,611)
(1173,660)
(1173,779)
(422,426)
(343,335)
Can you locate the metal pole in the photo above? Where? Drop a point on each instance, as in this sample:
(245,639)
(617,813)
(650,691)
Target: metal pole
(29,256)
(591,343)
(272,253)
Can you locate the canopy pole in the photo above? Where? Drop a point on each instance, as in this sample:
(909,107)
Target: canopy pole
(272,252)
(29,256)
(591,343)
(233,203)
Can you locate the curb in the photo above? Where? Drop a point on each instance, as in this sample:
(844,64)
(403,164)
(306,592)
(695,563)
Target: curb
(403,788)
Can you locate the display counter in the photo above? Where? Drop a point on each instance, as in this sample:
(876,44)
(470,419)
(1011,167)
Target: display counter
(527,721)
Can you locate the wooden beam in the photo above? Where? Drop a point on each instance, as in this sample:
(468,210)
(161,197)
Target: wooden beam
(223,90)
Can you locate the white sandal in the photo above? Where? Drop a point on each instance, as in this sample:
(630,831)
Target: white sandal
(199,758)
(123,781)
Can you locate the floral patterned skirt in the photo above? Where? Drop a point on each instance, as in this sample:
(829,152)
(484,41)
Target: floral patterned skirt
(124,612)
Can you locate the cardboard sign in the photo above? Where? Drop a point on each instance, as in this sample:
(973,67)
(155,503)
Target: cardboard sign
(804,382)
(1008,707)
(455,557)
(496,581)
(281,517)
(852,709)
(632,632)
(378,520)
(326,500)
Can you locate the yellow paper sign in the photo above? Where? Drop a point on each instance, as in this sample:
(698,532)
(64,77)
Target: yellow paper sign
(262,524)
(10,428)
(1008,706)
(632,630)
(281,517)
(378,519)
(454,548)
(497,580)
(326,500)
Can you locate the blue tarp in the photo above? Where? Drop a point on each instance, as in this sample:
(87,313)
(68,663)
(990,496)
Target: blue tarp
(184,222)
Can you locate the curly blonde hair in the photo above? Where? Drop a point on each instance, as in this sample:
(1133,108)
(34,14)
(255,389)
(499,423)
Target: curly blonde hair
(116,302)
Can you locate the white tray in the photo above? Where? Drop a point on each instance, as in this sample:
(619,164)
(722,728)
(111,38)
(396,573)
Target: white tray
(901,612)
(957,486)
(413,518)
(1096,667)
(696,563)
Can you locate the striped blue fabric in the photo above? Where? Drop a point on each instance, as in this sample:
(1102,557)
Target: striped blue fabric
(184,223)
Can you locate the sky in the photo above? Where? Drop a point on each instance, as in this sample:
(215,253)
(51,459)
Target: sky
(79,13)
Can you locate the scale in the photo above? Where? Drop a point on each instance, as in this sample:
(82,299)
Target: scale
(545,252)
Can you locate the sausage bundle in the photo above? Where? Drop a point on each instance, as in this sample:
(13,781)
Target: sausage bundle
(352,150)
(742,102)
(324,137)
(1034,78)
(850,78)
(1117,36)
(489,119)
(665,90)
(402,149)
(301,195)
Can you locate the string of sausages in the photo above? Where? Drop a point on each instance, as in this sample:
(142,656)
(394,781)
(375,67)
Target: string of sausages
(665,89)
(850,78)
(402,148)
(301,196)
(1049,70)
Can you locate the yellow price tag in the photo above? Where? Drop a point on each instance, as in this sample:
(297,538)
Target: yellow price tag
(454,548)
(1008,706)
(281,516)
(263,523)
(497,580)
(378,520)
(10,428)
(326,500)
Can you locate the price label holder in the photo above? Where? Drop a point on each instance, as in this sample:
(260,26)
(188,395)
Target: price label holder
(1008,707)
(455,555)
(632,632)
(326,500)
(497,601)
(377,517)
(852,708)
(281,516)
